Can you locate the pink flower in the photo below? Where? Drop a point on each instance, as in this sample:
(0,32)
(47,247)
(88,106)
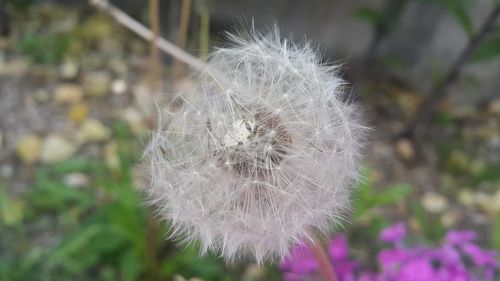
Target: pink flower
(479,256)
(339,249)
(339,253)
(419,269)
(394,233)
(300,261)
(400,262)
(460,237)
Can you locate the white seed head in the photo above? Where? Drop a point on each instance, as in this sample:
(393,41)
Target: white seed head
(253,162)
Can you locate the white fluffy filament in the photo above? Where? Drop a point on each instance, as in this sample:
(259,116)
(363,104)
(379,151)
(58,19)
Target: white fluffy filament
(248,166)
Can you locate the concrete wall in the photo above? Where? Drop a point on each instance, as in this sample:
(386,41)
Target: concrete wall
(427,39)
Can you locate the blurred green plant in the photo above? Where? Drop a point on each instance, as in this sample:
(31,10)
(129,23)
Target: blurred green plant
(21,5)
(458,10)
(94,232)
(371,204)
(369,200)
(487,50)
(46,49)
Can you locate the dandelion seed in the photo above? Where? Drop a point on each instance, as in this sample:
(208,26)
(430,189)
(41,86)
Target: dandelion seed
(274,147)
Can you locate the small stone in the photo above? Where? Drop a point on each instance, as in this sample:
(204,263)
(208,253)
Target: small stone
(458,160)
(405,149)
(13,211)
(476,167)
(118,87)
(16,67)
(463,111)
(56,149)
(178,278)
(467,198)
(68,94)
(6,171)
(450,218)
(144,99)
(496,201)
(253,272)
(486,202)
(486,132)
(118,66)
(78,113)
(76,180)
(494,107)
(42,95)
(97,83)
(29,148)
(434,202)
(93,130)
(111,156)
(69,70)
(134,120)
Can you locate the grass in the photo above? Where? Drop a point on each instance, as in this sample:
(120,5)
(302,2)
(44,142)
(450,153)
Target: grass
(95,232)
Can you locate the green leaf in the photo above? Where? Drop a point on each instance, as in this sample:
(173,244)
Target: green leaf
(11,209)
(496,232)
(368,15)
(393,61)
(460,14)
(368,198)
(76,244)
(487,50)
(394,193)
(430,225)
(130,266)
(458,9)
(54,195)
(72,165)
(47,49)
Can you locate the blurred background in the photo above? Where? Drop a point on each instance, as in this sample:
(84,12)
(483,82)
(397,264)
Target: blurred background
(76,90)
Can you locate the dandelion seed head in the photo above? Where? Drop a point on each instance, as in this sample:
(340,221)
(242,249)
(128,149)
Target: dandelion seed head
(271,154)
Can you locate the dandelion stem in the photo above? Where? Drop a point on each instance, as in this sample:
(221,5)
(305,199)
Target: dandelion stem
(325,264)
(146,33)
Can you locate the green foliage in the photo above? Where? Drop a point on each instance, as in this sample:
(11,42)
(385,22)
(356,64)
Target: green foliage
(21,5)
(488,173)
(458,9)
(368,15)
(392,61)
(496,232)
(429,225)
(11,209)
(487,50)
(46,49)
(368,203)
(367,198)
(100,231)
(382,19)
(188,262)
(444,118)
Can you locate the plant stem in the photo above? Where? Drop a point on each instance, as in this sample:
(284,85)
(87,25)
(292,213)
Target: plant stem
(204,29)
(324,263)
(387,19)
(438,92)
(182,36)
(147,34)
(154,63)
(152,230)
